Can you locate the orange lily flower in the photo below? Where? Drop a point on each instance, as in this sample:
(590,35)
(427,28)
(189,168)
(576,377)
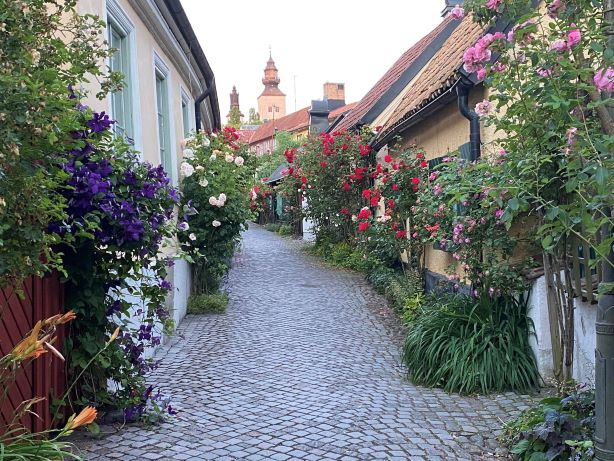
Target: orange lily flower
(87,416)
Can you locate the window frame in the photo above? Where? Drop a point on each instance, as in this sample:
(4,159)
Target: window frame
(166,141)
(117,20)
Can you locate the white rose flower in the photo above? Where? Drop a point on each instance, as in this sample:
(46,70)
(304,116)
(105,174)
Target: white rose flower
(212,158)
(216,223)
(188,153)
(229,158)
(222,197)
(192,236)
(203,182)
(187,170)
(239,161)
(200,168)
(213,201)
(184,226)
(206,142)
(217,152)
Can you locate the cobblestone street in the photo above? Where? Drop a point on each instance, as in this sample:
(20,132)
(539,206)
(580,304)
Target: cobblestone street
(302,366)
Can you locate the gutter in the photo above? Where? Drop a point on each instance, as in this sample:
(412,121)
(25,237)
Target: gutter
(196,52)
(462,91)
(207,94)
(425,111)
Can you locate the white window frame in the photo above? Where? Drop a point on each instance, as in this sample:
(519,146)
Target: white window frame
(162,70)
(117,16)
(188,103)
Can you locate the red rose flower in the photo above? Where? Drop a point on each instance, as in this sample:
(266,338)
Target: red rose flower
(366,193)
(346,186)
(365,213)
(390,203)
(374,201)
(304,179)
(395,166)
(363,226)
(424,164)
(364,149)
(401,234)
(345,146)
(388,158)
(344,211)
(323,164)
(420,155)
(415,181)
(395,187)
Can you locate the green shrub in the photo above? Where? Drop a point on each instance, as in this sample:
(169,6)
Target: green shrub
(213,303)
(285,229)
(557,428)
(468,345)
(272,227)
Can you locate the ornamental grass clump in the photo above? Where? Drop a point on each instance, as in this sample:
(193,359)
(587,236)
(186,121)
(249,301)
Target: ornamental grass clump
(214,303)
(471,345)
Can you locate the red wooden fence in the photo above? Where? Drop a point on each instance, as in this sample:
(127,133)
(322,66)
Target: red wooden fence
(45,376)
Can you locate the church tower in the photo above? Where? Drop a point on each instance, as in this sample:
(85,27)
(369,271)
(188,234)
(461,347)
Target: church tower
(234,115)
(272,102)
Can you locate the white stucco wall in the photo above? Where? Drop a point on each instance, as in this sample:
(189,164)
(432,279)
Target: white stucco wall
(584,335)
(181,290)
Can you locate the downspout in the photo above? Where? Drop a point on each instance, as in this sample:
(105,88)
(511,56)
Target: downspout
(199,100)
(462,90)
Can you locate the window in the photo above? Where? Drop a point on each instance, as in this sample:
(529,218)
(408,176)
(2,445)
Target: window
(276,109)
(270,109)
(185,114)
(121,100)
(164,131)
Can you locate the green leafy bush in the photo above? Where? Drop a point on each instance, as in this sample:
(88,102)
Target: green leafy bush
(213,303)
(272,227)
(469,345)
(285,229)
(557,429)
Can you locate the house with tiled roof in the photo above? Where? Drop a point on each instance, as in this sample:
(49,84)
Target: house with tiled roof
(299,123)
(431,105)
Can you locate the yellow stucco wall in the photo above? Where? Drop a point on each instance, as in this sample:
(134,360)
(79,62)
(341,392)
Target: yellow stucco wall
(442,133)
(143,68)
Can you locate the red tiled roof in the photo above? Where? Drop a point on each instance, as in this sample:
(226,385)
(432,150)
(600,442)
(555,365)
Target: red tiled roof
(292,122)
(439,74)
(390,77)
(246,135)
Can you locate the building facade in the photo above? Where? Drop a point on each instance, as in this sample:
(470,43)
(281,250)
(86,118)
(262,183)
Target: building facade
(272,101)
(169,91)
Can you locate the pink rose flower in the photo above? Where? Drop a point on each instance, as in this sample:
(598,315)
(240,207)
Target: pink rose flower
(493,4)
(574,37)
(457,12)
(604,80)
(483,108)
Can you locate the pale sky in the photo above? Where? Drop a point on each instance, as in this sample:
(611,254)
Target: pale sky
(341,41)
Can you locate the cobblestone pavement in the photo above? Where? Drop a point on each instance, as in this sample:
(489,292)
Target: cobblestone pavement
(301,367)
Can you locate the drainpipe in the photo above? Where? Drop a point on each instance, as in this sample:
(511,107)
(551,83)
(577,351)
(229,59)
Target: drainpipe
(604,326)
(462,90)
(199,100)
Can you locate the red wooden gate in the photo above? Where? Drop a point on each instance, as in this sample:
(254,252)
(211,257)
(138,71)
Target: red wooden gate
(45,376)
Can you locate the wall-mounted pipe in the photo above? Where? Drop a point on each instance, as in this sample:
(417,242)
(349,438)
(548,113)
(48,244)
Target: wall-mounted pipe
(462,90)
(199,100)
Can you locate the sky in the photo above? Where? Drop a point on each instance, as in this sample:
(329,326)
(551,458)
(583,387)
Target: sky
(312,42)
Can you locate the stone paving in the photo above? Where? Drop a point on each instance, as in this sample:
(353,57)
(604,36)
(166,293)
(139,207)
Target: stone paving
(301,367)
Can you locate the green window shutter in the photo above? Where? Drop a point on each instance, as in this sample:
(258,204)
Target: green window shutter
(164,133)
(465,152)
(434,162)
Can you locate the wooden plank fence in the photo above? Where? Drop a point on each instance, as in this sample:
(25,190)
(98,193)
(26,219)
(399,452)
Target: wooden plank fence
(585,281)
(45,376)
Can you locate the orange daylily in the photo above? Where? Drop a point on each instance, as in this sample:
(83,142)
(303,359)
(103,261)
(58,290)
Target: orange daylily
(87,416)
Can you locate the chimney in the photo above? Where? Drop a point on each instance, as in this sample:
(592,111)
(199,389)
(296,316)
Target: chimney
(318,116)
(450,4)
(334,93)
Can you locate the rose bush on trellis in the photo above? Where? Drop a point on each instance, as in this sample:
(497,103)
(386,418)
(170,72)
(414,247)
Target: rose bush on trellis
(550,90)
